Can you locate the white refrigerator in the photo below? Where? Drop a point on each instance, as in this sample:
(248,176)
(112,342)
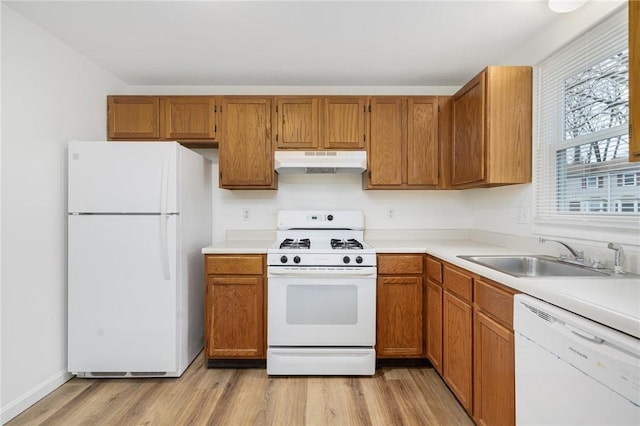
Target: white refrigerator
(139,214)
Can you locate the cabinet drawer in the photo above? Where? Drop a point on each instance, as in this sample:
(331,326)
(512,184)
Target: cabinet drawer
(434,269)
(494,301)
(400,264)
(458,282)
(235,265)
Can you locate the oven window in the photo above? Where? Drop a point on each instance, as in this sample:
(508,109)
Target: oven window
(322,304)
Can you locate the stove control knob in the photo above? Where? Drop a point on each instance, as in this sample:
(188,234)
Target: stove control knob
(359,259)
(346,259)
(296,259)
(283,259)
(330,217)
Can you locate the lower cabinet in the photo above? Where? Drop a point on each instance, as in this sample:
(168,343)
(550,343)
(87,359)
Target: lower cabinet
(235,307)
(400,306)
(433,325)
(494,375)
(457,348)
(470,340)
(494,357)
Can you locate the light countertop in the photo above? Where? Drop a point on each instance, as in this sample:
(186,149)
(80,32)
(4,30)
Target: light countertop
(611,301)
(614,302)
(239,247)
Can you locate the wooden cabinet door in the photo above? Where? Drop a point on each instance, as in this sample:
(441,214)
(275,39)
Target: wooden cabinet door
(399,317)
(235,317)
(343,123)
(468,150)
(386,151)
(494,373)
(422,141)
(297,122)
(246,153)
(457,348)
(634,84)
(133,117)
(433,326)
(188,118)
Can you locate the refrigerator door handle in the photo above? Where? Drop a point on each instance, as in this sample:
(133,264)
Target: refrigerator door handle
(164,247)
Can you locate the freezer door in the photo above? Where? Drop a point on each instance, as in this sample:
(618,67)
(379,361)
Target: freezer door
(122,297)
(123,177)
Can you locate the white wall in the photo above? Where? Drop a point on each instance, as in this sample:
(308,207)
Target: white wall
(411,209)
(50,94)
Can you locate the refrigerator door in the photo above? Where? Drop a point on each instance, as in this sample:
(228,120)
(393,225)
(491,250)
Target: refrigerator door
(123,177)
(122,293)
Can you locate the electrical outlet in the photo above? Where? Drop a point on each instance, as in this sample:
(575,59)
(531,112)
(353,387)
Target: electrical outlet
(523,215)
(391,214)
(245,215)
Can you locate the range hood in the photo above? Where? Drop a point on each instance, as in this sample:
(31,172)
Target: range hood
(323,162)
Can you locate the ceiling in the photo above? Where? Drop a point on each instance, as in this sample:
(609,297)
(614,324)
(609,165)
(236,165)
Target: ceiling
(318,43)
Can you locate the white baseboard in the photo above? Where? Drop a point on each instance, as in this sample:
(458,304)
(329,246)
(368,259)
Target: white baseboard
(33,395)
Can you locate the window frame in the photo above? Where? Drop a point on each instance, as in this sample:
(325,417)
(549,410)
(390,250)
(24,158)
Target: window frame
(547,217)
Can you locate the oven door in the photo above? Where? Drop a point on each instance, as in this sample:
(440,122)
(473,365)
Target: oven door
(321,307)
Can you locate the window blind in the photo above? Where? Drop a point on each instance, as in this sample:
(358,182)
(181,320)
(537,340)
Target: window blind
(582,173)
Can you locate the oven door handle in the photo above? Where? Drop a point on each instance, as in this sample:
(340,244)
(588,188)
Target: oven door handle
(318,272)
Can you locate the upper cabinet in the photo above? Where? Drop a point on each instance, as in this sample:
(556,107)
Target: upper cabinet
(343,122)
(491,122)
(634,84)
(297,122)
(133,117)
(387,150)
(191,120)
(246,150)
(404,143)
(318,122)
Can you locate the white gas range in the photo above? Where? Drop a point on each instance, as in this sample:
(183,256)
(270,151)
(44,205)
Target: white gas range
(321,295)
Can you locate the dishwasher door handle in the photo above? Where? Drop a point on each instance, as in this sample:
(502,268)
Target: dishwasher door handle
(587,336)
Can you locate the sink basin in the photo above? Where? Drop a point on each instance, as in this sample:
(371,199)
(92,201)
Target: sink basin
(534,266)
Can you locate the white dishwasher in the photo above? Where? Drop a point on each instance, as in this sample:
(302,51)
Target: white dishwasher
(571,370)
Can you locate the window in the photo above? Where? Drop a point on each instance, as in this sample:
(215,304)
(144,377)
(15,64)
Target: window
(629,179)
(592,182)
(582,167)
(627,206)
(596,206)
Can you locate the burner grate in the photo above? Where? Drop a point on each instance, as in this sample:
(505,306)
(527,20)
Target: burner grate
(351,243)
(290,243)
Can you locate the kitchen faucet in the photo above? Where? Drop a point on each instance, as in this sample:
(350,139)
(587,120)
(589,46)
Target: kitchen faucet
(618,258)
(577,254)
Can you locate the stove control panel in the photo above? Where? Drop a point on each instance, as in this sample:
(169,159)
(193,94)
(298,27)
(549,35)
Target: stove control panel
(314,218)
(285,259)
(320,219)
(320,259)
(347,260)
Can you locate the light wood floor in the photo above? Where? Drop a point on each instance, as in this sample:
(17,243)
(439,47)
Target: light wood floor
(394,396)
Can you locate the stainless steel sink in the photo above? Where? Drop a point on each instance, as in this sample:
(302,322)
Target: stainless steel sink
(534,266)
